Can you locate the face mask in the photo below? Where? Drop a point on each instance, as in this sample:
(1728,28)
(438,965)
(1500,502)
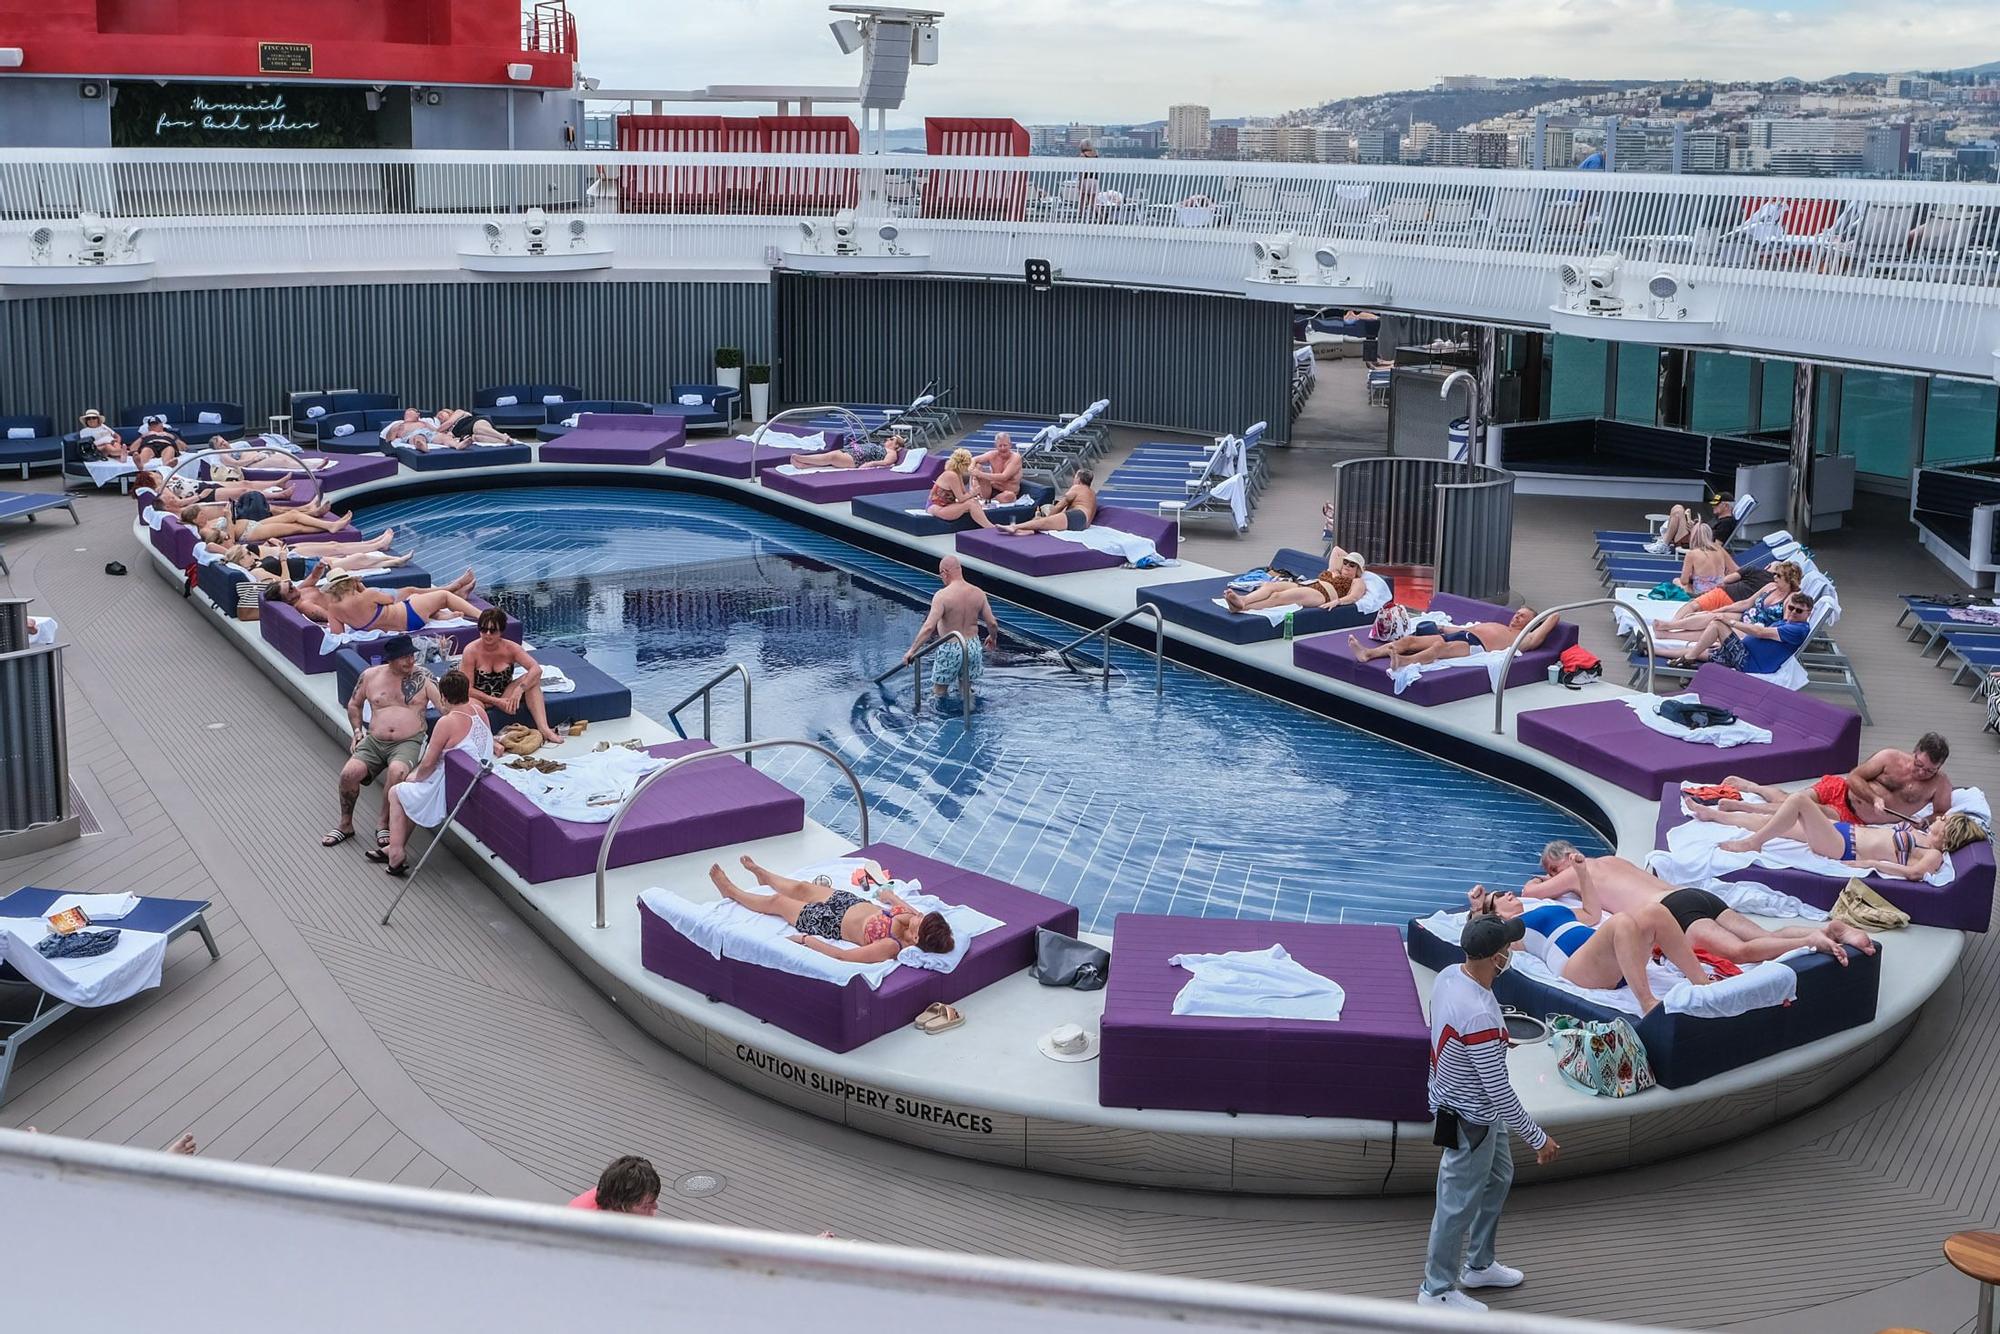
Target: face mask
(1505,960)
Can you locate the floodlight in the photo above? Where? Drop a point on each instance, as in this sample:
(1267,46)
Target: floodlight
(40,240)
(887,231)
(844,225)
(96,239)
(847,34)
(535,228)
(1663,286)
(1326,258)
(577,228)
(1570,276)
(1273,255)
(1040,274)
(493,235)
(1602,275)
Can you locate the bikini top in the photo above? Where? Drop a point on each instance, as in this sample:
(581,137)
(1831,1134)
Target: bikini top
(940,495)
(1905,838)
(878,926)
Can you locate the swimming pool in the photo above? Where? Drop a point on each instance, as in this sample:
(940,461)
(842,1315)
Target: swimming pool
(1209,799)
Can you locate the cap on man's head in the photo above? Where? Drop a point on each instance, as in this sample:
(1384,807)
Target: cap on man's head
(1487,934)
(398,646)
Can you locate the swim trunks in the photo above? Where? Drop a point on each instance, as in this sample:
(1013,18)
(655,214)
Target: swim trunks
(376,754)
(1831,792)
(945,662)
(823,919)
(1693,905)
(1076,519)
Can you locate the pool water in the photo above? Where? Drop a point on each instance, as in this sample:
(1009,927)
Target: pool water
(1208,799)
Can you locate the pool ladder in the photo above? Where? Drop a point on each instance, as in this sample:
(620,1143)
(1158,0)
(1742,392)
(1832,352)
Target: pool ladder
(706,694)
(917,671)
(1104,631)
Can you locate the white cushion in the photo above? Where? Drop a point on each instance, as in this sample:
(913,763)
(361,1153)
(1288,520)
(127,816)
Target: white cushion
(552,398)
(345,428)
(209,418)
(572,419)
(315,411)
(20,433)
(691,400)
(506,400)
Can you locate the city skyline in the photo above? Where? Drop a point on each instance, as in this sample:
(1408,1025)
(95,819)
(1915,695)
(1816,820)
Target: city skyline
(1124,62)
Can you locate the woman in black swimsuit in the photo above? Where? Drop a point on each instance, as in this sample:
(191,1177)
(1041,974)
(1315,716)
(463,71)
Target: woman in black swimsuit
(878,931)
(491,661)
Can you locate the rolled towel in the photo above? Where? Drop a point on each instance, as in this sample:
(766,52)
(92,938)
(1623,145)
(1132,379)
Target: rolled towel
(315,411)
(552,398)
(20,433)
(572,419)
(209,418)
(506,400)
(345,428)
(691,400)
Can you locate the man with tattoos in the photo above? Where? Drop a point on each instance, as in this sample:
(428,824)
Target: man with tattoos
(393,696)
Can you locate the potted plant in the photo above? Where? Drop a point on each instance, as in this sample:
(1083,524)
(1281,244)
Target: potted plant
(729,367)
(759,380)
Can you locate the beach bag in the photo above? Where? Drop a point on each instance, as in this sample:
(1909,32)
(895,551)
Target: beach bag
(249,600)
(1392,622)
(1858,905)
(1991,690)
(433,654)
(1605,1058)
(519,739)
(1577,667)
(252,505)
(1065,961)
(1669,591)
(1696,715)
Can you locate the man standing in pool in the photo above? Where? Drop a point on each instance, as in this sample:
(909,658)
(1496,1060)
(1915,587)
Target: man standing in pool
(961,607)
(1476,1107)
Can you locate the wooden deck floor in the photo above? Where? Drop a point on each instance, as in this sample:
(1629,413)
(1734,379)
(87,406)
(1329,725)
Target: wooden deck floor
(457,1051)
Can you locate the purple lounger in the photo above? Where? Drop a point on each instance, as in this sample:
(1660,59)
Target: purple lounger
(355,470)
(1809,737)
(1372,1064)
(843,485)
(176,541)
(1329,655)
(1966,904)
(732,457)
(617,438)
(298,638)
(701,806)
(1038,554)
(842,1018)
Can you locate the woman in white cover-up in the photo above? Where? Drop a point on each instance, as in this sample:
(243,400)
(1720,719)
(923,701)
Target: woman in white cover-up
(419,799)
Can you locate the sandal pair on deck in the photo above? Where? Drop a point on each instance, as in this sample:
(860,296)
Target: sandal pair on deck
(939,1018)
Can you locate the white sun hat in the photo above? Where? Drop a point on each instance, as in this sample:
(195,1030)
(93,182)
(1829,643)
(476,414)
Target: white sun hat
(1068,1042)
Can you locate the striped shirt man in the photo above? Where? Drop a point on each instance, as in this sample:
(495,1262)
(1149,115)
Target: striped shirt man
(1469,1058)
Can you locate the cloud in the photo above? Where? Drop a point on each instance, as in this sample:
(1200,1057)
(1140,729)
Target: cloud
(1120,60)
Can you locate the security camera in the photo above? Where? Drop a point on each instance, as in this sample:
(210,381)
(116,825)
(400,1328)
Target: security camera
(535,230)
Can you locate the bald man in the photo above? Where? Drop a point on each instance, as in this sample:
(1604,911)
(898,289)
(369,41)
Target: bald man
(958,606)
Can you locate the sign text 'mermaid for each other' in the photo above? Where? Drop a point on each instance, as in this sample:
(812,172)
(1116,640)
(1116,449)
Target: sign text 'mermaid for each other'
(264,115)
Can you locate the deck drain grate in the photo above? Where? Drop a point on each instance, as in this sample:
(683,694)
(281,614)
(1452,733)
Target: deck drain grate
(700,1183)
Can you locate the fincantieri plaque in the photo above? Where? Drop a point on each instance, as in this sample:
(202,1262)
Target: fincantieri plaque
(284,58)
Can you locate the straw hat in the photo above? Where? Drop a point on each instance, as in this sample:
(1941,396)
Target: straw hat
(1356,559)
(83,418)
(1068,1043)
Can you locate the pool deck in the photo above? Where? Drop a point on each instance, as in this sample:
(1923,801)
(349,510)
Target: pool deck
(321,1041)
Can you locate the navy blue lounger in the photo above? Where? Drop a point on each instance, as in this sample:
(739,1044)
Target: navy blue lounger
(1192,603)
(27,504)
(892,510)
(472,456)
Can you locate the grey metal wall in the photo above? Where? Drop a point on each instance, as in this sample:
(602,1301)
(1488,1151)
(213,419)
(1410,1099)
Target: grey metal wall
(433,343)
(1174,360)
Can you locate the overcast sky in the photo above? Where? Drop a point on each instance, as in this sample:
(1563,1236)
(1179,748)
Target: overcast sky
(1127,60)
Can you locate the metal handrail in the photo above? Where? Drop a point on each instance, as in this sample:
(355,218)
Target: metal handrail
(1507,663)
(853,419)
(1159,643)
(625,807)
(706,694)
(916,665)
(485,768)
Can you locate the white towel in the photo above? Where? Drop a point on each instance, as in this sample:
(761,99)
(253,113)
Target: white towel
(1378,596)
(912,460)
(793,470)
(126,969)
(1256,984)
(572,419)
(1128,547)
(1738,733)
(97,907)
(153,517)
(691,400)
(554,680)
(1235,494)
(550,400)
(109,470)
(1694,853)
(1275,615)
(44,631)
(1405,677)
(331,642)
(20,433)
(344,429)
(208,418)
(315,411)
(507,401)
(590,786)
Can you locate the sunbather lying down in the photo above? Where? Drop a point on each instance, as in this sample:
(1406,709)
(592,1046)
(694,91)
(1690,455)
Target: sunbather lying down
(352,605)
(1611,954)
(1341,584)
(1480,637)
(1904,850)
(823,914)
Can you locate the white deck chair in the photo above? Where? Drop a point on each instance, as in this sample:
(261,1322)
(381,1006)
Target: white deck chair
(1353,211)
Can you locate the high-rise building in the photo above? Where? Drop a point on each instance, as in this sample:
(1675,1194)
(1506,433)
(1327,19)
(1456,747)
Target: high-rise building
(1558,148)
(1417,143)
(1223,143)
(1818,146)
(1377,145)
(1076,136)
(1470,148)
(1886,151)
(1187,130)
(1467,83)
(1048,140)
(1643,146)
(1705,151)
(1331,144)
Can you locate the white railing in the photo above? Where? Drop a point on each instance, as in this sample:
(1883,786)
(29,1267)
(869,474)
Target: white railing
(1893,273)
(205,1245)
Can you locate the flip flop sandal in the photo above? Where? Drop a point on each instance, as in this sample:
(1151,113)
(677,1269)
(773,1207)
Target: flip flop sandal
(399,870)
(377,855)
(381,838)
(932,1011)
(333,838)
(942,1023)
